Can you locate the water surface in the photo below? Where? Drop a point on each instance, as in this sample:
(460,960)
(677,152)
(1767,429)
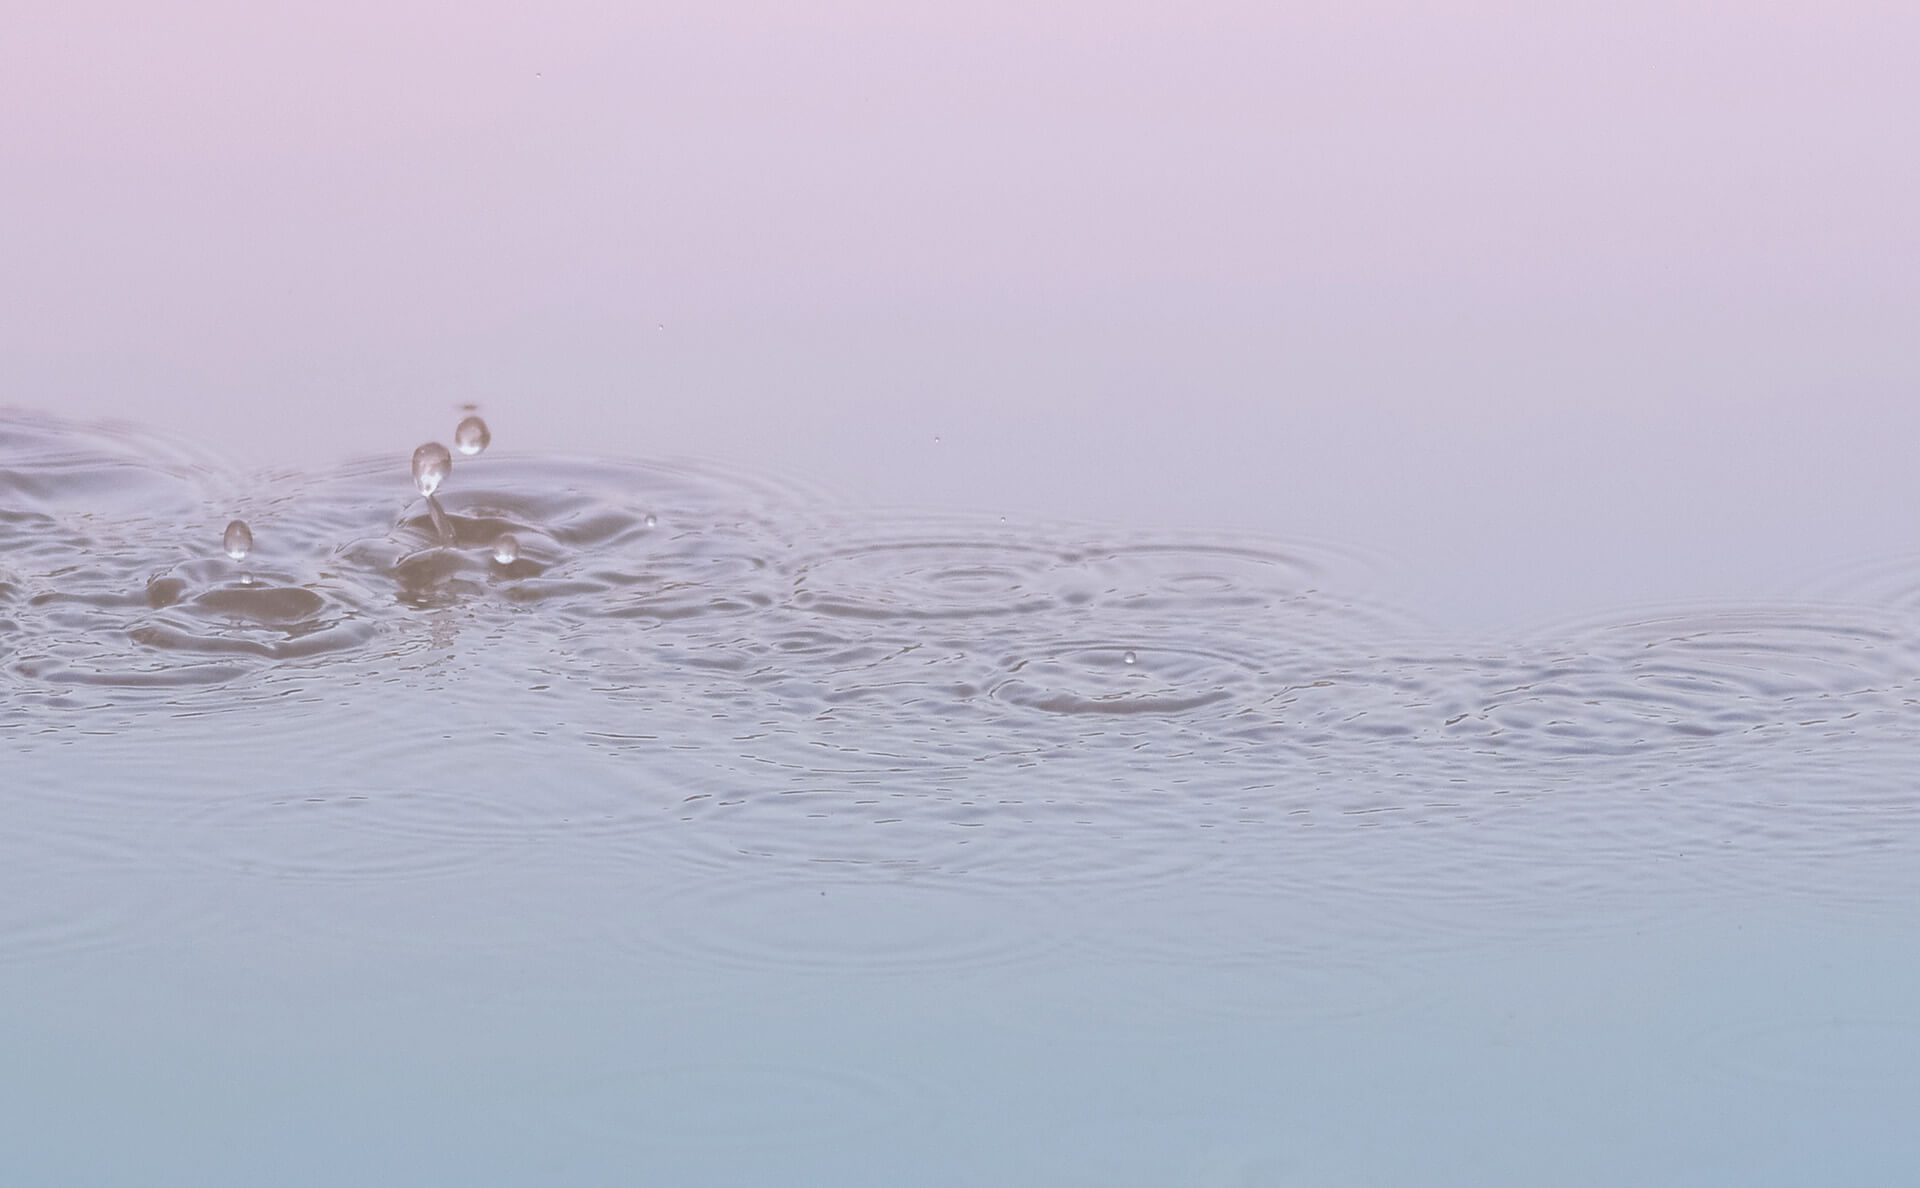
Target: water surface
(725,833)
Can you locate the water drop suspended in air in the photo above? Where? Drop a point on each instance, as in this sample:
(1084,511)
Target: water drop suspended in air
(1129,658)
(431,465)
(471,436)
(506,550)
(238,541)
(650,520)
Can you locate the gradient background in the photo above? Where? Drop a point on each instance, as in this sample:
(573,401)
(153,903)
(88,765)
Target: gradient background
(1561,307)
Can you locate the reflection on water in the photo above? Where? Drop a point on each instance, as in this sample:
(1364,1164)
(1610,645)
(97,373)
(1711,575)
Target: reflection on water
(723,731)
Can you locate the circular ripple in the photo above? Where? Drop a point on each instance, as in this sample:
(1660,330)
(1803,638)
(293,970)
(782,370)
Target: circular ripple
(1138,1000)
(1307,989)
(85,886)
(1164,576)
(46,925)
(1163,680)
(929,578)
(1834,1053)
(728,1104)
(1890,582)
(910,927)
(1020,821)
(56,467)
(1732,667)
(334,834)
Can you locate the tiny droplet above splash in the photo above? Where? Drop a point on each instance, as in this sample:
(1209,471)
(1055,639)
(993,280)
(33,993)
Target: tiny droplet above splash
(506,550)
(238,540)
(1129,658)
(431,465)
(651,522)
(471,436)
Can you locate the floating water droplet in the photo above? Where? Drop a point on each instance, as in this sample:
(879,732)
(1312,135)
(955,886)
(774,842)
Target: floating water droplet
(506,550)
(431,465)
(471,436)
(246,579)
(651,522)
(1129,658)
(238,541)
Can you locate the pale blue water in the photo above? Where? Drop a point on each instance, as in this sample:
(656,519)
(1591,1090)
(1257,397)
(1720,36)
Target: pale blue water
(730,835)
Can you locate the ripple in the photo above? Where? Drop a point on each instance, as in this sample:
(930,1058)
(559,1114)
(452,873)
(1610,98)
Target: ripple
(775,684)
(1020,821)
(926,577)
(1117,679)
(1724,667)
(333,834)
(1195,991)
(760,922)
(33,928)
(1836,1053)
(78,884)
(1891,583)
(728,1104)
(1161,576)
(54,467)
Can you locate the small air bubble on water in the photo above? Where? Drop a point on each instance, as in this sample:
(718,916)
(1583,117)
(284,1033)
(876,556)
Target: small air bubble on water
(431,465)
(471,436)
(1129,658)
(238,541)
(506,550)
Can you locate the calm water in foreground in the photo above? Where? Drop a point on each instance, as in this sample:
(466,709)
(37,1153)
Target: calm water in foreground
(730,836)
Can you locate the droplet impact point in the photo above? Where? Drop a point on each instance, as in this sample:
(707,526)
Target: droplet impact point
(238,540)
(431,465)
(471,436)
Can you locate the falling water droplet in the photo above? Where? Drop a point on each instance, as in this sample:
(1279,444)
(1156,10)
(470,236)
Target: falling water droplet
(471,436)
(246,579)
(506,550)
(238,541)
(1129,658)
(431,465)
(651,522)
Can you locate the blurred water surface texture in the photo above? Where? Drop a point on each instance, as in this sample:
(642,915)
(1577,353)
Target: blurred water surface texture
(676,825)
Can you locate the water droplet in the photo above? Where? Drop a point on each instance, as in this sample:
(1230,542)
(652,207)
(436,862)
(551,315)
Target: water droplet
(431,465)
(651,522)
(506,550)
(238,541)
(471,436)
(1129,658)
(246,579)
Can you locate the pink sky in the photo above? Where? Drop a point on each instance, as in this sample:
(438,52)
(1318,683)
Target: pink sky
(1495,288)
